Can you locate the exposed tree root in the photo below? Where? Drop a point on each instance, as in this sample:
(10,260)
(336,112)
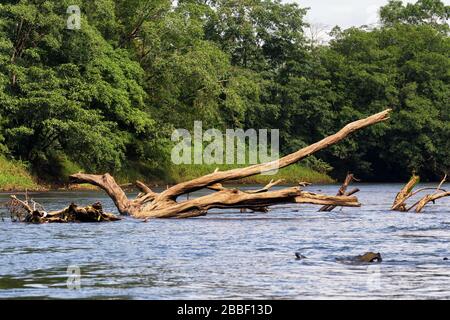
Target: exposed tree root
(165,205)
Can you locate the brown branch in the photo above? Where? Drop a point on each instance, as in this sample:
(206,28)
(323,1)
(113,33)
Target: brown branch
(216,187)
(304,184)
(146,195)
(267,187)
(330,208)
(234,198)
(356,190)
(220,187)
(143,187)
(440,184)
(107,183)
(342,190)
(405,194)
(431,197)
(24,204)
(425,189)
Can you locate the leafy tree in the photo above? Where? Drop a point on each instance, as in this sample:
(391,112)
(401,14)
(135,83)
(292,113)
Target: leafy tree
(404,67)
(68,91)
(431,12)
(108,95)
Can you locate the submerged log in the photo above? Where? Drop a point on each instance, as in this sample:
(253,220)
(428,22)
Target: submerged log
(149,204)
(23,212)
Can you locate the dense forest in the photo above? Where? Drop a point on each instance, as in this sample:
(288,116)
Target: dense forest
(107,96)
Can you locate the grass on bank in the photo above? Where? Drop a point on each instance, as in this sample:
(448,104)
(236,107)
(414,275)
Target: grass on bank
(292,174)
(14,176)
(179,173)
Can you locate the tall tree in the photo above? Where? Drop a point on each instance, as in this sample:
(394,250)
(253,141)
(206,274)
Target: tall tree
(68,91)
(431,12)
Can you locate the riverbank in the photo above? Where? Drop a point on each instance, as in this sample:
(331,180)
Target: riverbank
(14,176)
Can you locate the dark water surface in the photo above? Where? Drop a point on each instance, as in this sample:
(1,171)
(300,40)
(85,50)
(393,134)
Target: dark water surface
(230,256)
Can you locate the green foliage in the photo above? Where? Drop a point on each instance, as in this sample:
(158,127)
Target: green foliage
(431,12)
(14,176)
(106,97)
(405,67)
(291,175)
(70,91)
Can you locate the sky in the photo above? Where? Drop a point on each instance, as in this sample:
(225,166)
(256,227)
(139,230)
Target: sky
(345,13)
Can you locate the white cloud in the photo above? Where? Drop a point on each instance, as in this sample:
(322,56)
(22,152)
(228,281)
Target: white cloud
(345,13)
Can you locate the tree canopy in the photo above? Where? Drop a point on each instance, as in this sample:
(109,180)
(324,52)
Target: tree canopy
(109,94)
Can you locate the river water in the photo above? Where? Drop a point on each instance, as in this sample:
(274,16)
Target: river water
(233,255)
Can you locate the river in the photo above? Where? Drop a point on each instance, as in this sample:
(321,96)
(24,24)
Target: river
(233,255)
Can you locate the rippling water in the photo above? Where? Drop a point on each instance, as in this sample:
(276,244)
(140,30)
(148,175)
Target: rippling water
(233,255)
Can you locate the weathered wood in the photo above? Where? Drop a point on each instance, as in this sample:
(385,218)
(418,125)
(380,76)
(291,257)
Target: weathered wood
(165,205)
(266,188)
(144,188)
(25,213)
(431,197)
(109,185)
(233,198)
(341,192)
(405,193)
(219,187)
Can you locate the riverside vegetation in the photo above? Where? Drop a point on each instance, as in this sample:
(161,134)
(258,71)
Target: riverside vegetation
(106,97)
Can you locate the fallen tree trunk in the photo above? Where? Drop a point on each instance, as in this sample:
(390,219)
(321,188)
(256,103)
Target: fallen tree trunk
(264,209)
(165,205)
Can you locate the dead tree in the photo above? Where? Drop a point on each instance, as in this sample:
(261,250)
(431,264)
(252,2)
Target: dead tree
(407,192)
(149,204)
(32,212)
(342,191)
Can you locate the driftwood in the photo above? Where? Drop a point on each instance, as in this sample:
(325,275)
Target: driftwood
(342,191)
(407,192)
(24,211)
(150,204)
